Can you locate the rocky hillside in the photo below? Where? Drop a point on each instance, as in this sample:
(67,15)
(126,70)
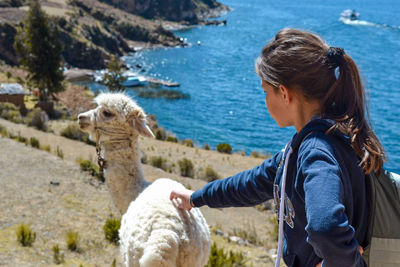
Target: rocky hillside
(187,11)
(92,30)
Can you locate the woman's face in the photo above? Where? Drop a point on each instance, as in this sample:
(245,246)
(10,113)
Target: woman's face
(275,102)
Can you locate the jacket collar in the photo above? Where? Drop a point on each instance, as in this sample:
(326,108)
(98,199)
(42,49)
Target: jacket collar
(316,125)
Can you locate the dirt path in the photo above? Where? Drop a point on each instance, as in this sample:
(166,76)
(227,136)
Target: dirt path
(79,203)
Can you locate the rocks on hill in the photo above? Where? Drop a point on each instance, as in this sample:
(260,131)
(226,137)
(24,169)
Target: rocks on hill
(187,11)
(92,31)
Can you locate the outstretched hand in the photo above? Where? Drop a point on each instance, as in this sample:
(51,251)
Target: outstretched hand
(183,197)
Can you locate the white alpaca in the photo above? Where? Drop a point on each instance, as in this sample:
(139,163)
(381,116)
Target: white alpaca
(154,232)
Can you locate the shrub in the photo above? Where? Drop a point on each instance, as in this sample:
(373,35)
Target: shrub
(59,152)
(38,119)
(111,229)
(186,167)
(25,236)
(144,159)
(224,148)
(10,112)
(46,148)
(218,258)
(22,139)
(275,228)
(160,134)
(72,239)
(250,234)
(210,174)
(34,142)
(3,131)
(74,132)
(207,146)
(187,142)
(57,256)
(256,154)
(171,138)
(159,162)
(88,166)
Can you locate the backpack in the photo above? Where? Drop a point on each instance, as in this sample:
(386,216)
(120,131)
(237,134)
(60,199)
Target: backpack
(383,234)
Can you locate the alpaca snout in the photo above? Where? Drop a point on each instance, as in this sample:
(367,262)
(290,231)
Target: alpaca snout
(84,120)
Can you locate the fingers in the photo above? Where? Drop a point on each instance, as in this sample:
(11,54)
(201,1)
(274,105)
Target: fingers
(360,249)
(183,198)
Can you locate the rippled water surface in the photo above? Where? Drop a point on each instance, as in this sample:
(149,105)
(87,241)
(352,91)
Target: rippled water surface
(226,102)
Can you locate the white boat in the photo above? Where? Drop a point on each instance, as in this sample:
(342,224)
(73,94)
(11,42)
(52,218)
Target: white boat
(134,81)
(349,14)
(132,78)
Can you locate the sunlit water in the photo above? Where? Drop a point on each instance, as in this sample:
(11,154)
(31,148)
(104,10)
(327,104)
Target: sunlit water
(226,103)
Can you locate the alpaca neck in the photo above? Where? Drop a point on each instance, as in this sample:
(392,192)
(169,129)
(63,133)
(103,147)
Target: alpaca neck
(123,172)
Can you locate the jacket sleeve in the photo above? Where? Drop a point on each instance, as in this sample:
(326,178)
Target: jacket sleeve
(328,228)
(244,189)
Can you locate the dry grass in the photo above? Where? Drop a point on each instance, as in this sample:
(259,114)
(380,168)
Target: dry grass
(76,98)
(79,201)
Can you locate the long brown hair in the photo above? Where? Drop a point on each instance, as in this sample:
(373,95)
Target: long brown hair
(302,60)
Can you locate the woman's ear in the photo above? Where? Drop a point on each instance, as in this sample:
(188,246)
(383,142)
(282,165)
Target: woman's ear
(285,94)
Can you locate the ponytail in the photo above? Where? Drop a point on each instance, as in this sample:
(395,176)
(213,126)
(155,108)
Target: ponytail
(345,103)
(299,59)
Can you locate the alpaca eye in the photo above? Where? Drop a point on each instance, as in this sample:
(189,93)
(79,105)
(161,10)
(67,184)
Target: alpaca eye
(107,114)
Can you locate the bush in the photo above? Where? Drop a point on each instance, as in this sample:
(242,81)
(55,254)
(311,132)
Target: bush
(34,142)
(72,239)
(186,167)
(38,119)
(94,170)
(224,148)
(160,134)
(159,162)
(187,142)
(210,174)
(207,146)
(3,131)
(25,236)
(171,138)
(256,154)
(274,232)
(250,234)
(59,152)
(74,132)
(22,139)
(57,256)
(10,112)
(144,159)
(111,229)
(46,148)
(218,258)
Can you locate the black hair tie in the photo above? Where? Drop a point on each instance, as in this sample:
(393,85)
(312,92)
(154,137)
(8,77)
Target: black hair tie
(334,57)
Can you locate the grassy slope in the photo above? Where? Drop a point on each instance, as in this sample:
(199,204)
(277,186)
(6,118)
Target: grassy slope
(75,204)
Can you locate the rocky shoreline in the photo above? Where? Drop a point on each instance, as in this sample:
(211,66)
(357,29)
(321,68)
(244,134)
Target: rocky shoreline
(92,31)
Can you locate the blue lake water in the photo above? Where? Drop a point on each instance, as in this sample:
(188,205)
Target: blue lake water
(226,102)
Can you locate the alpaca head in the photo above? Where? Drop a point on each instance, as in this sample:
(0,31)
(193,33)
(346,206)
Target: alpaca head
(116,116)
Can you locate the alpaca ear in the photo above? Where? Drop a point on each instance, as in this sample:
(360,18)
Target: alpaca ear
(139,122)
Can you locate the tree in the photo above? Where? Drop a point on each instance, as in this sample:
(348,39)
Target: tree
(9,75)
(113,79)
(39,48)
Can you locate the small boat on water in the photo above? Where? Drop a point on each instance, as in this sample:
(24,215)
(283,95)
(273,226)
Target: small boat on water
(134,81)
(132,78)
(349,14)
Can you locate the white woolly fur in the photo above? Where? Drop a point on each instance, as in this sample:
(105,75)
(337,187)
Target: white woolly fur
(154,232)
